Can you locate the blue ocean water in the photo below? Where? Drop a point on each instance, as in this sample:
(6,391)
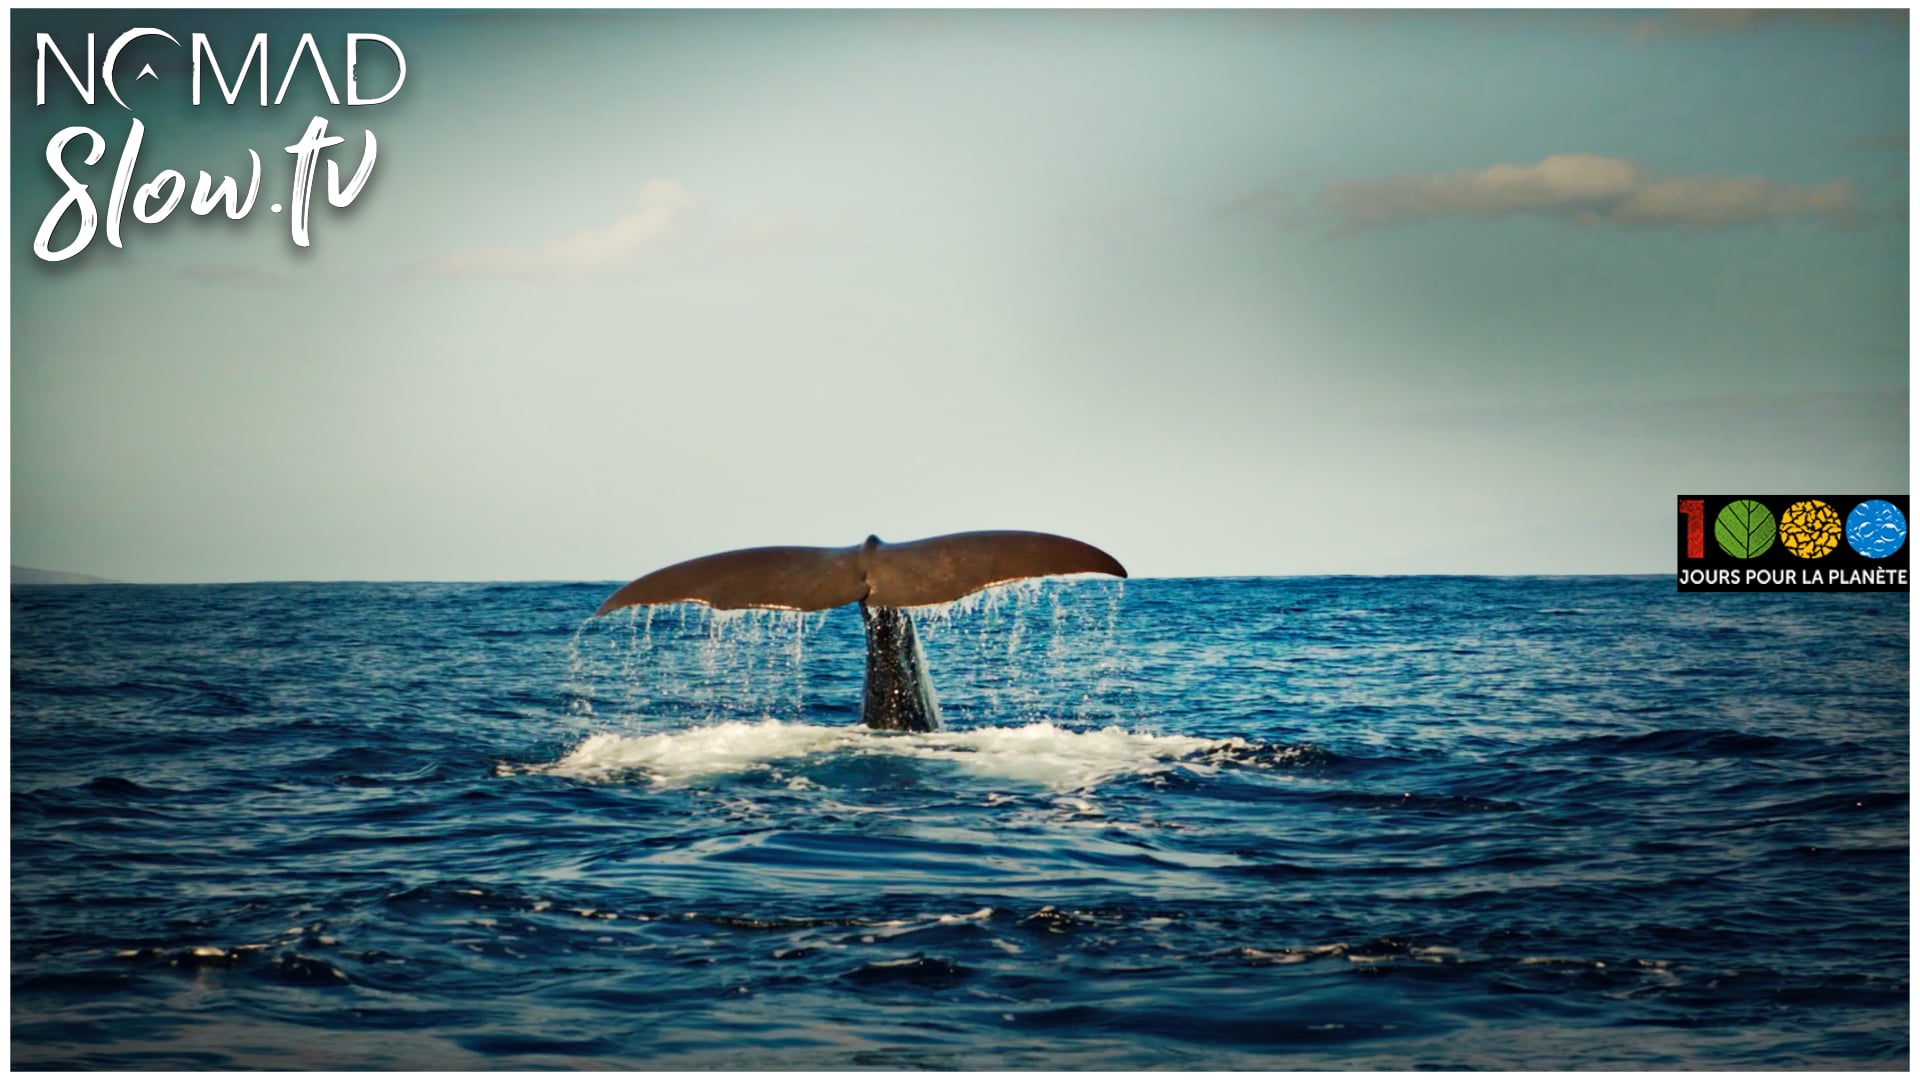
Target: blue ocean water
(1260,823)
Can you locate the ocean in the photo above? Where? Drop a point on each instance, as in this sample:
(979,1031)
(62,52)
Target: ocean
(1266,823)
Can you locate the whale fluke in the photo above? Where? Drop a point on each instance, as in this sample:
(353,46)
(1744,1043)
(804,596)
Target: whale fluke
(932,571)
(884,579)
(945,568)
(792,578)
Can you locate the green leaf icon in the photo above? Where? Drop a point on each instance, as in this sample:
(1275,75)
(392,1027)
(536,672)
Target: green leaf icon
(1744,529)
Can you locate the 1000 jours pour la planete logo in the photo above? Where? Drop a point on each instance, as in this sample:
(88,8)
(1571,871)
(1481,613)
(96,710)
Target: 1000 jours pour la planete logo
(1788,543)
(153,200)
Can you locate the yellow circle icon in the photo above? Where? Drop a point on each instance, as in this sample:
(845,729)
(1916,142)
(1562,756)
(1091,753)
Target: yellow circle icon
(1810,529)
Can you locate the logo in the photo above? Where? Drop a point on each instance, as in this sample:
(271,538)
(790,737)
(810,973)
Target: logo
(1790,543)
(77,153)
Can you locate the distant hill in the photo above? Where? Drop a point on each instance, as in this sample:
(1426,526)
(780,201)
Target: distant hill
(27,575)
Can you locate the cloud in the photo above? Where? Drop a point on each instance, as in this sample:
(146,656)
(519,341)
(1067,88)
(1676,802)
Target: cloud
(229,275)
(1643,26)
(1881,409)
(1285,199)
(1588,189)
(663,210)
(1710,21)
(1883,140)
(783,232)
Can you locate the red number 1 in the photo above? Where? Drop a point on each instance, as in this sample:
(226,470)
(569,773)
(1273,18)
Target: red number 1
(1696,511)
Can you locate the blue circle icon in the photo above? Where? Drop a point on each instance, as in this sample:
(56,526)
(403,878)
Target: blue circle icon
(1876,528)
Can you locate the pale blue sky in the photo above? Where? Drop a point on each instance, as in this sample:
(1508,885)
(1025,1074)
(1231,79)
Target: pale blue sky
(1224,293)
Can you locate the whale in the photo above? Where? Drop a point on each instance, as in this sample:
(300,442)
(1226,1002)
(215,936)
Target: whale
(885,580)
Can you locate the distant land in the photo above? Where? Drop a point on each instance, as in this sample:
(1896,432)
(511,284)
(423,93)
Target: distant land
(27,575)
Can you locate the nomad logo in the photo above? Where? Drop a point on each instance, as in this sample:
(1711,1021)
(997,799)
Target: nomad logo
(1791,543)
(86,72)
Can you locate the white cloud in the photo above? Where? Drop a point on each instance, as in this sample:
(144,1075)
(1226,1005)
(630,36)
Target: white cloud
(1588,189)
(783,232)
(1710,21)
(662,211)
(224,275)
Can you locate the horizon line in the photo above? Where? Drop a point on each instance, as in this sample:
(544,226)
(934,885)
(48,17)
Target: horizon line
(596,581)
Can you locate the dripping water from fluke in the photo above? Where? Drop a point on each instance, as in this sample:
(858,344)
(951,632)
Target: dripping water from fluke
(690,666)
(997,656)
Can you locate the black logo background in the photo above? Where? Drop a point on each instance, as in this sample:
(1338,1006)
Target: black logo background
(1725,573)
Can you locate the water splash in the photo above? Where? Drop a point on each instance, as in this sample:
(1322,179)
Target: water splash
(997,656)
(675,757)
(1041,754)
(578,686)
(690,664)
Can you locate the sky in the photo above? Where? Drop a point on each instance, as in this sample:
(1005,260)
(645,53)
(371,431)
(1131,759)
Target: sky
(1227,293)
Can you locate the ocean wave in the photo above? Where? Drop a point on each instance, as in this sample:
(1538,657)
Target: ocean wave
(1710,742)
(1041,754)
(1420,823)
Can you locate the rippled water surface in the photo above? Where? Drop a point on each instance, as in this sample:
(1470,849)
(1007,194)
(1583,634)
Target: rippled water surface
(1264,823)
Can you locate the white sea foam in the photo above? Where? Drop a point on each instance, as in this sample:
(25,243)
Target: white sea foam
(1054,757)
(1039,754)
(678,756)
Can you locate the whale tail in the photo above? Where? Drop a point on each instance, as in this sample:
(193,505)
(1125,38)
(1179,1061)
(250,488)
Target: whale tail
(880,575)
(883,579)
